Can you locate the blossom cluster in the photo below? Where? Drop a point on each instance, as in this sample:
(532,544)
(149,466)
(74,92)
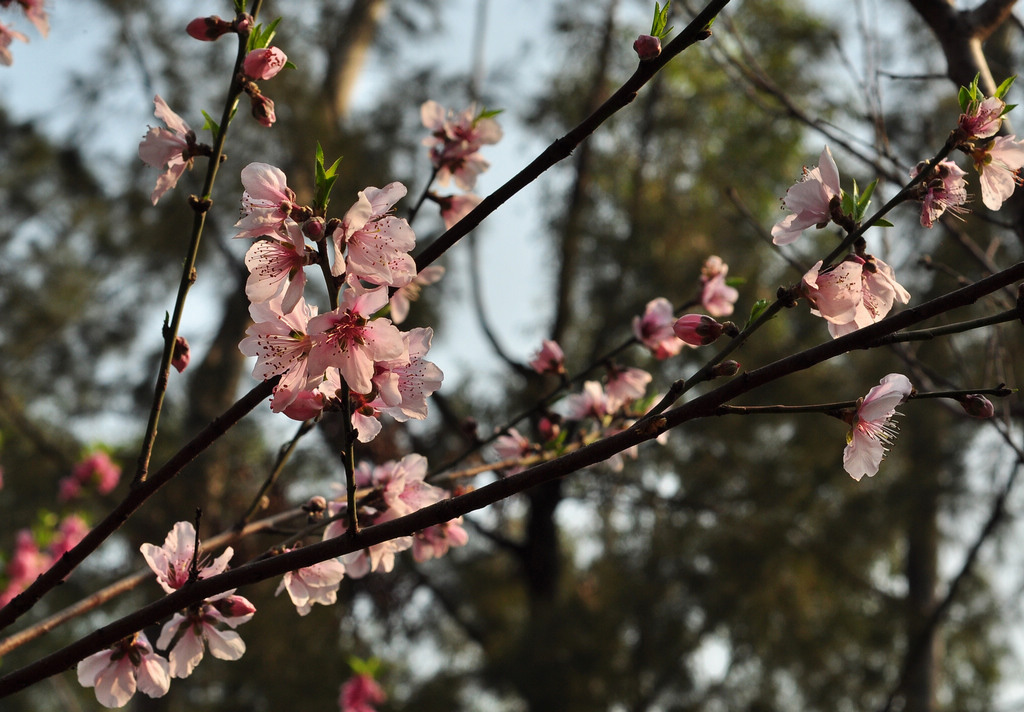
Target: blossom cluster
(601,408)
(132,665)
(454,146)
(382,369)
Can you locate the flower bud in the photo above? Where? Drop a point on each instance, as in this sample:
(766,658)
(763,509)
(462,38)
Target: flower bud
(977,406)
(234,607)
(262,109)
(315,504)
(264,63)
(182,354)
(647,47)
(314,229)
(208,29)
(726,368)
(697,329)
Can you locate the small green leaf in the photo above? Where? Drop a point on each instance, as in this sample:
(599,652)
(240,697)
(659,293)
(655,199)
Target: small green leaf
(757,310)
(658,28)
(325,178)
(239,6)
(486,113)
(211,124)
(1004,87)
(368,667)
(736,281)
(849,201)
(882,222)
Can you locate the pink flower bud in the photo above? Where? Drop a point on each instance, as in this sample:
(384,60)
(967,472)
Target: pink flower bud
(697,329)
(314,229)
(647,47)
(182,354)
(243,25)
(234,607)
(208,29)
(977,406)
(264,63)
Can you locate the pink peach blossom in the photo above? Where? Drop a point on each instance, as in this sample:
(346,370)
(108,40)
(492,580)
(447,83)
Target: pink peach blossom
(377,244)
(872,430)
(945,190)
(172,562)
(195,630)
(455,141)
(998,164)
(647,47)
(809,200)
(983,118)
(350,340)
(171,147)
(456,207)
(313,584)
(549,359)
(266,201)
(276,264)
(125,667)
(282,346)
(654,329)
(717,297)
(410,292)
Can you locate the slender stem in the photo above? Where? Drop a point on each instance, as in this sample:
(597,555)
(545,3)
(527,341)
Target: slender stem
(349,458)
(188,274)
(282,458)
(423,196)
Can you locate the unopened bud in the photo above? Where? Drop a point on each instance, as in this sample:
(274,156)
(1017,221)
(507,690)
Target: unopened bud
(182,354)
(234,607)
(262,108)
(647,47)
(697,329)
(977,406)
(726,368)
(264,63)
(315,228)
(549,428)
(315,504)
(208,29)
(243,25)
